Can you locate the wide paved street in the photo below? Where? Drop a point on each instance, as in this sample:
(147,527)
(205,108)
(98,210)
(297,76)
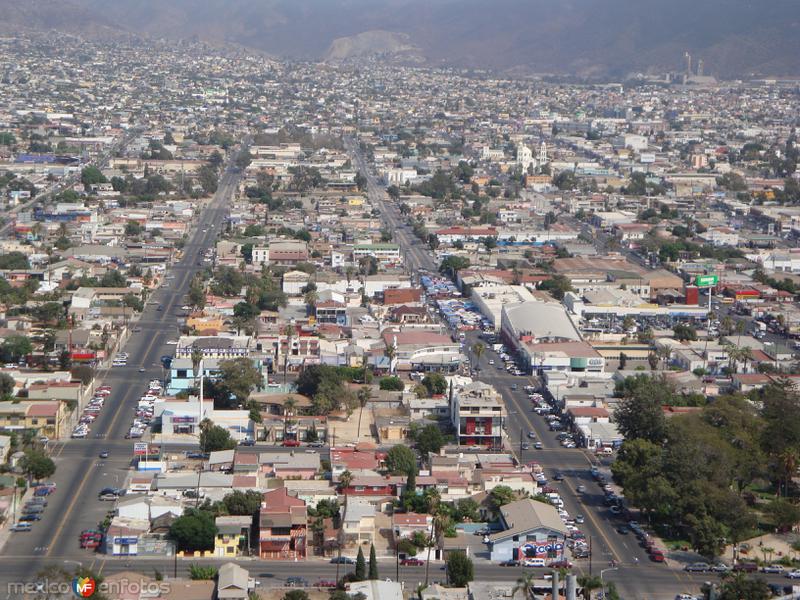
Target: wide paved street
(80,473)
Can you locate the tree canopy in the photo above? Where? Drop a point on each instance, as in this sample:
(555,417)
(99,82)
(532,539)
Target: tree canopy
(215,438)
(401,459)
(193,531)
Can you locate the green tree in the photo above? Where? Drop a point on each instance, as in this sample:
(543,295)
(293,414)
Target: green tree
(467,510)
(373,564)
(193,531)
(91,175)
(738,586)
(197,293)
(202,572)
(300,595)
(15,347)
(435,383)
(401,459)
(453,264)
(683,332)
(113,278)
(37,465)
(361,566)
(208,178)
(394,384)
(589,583)
(501,495)
(239,502)
(639,413)
(460,570)
(430,439)
(216,438)
(784,514)
(239,376)
(14,261)
(7,384)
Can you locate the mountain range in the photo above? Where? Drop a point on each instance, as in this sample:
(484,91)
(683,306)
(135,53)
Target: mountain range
(735,38)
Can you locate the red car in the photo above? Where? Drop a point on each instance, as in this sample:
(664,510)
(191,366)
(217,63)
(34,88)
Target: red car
(657,556)
(560,564)
(324,583)
(411,562)
(291,443)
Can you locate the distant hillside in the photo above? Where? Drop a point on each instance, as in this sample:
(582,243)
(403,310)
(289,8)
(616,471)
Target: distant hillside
(603,37)
(370,43)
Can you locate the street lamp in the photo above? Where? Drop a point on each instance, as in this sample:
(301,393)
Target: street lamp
(74,562)
(603,586)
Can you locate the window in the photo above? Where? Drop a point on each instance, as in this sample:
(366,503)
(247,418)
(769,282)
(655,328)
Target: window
(181,374)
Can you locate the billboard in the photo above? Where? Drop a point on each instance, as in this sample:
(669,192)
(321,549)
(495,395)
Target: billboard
(706,280)
(140,449)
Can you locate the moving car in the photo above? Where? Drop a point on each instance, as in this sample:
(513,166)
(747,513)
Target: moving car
(698,567)
(772,569)
(104,454)
(342,560)
(411,562)
(510,563)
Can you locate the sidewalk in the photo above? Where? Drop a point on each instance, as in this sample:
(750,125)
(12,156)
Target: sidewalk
(5,532)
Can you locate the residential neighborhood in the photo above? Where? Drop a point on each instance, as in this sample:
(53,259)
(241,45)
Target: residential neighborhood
(385,331)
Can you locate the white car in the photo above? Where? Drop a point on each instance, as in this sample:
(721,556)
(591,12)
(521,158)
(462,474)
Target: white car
(491,361)
(172,342)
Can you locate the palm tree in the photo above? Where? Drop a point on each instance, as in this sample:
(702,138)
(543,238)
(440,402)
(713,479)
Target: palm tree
(310,298)
(524,585)
(733,356)
(289,332)
(364,394)
(745,355)
(390,353)
(740,327)
(345,479)
(589,583)
(289,406)
(477,350)
(788,461)
(197,358)
(726,325)
(665,353)
(432,499)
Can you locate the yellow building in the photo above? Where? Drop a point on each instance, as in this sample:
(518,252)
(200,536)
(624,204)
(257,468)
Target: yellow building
(355,201)
(46,418)
(233,535)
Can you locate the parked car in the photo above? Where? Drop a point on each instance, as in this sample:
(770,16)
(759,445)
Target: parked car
(296,581)
(746,567)
(342,560)
(657,556)
(720,568)
(21,526)
(793,574)
(31,517)
(698,567)
(412,562)
(510,563)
